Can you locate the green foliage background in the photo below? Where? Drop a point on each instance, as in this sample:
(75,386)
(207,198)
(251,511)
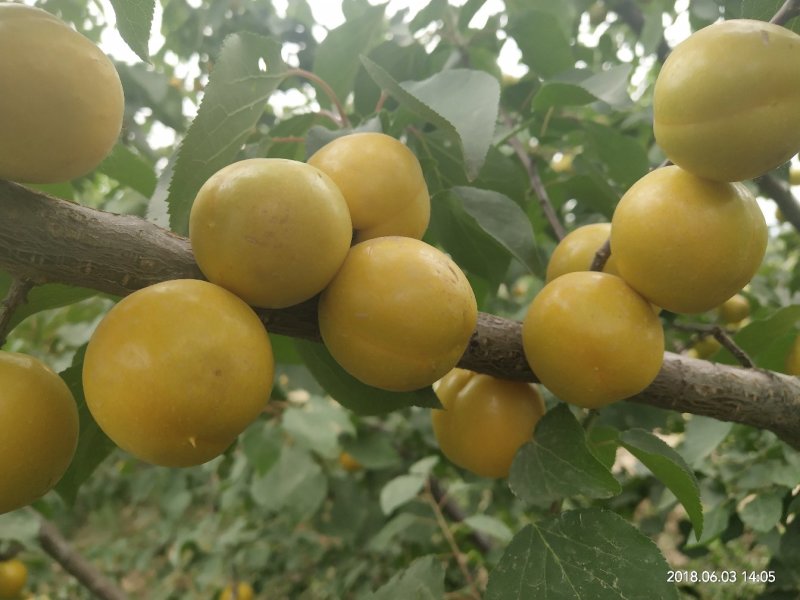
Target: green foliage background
(278,510)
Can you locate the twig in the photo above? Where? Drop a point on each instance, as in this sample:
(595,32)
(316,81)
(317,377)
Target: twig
(789,10)
(457,514)
(536,185)
(76,565)
(723,337)
(771,186)
(325,86)
(601,256)
(17,295)
(451,541)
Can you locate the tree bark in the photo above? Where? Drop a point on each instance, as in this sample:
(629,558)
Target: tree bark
(48,240)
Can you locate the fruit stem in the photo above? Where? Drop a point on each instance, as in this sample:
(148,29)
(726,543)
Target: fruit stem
(601,256)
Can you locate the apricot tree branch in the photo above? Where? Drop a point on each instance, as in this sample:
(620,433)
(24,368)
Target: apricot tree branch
(774,188)
(76,565)
(789,10)
(16,296)
(45,239)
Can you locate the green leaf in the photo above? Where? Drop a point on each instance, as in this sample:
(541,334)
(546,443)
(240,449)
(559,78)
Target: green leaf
(373,450)
(465,240)
(604,441)
(399,491)
(134,20)
(261,444)
(762,511)
(763,335)
(609,86)
(130,169)
(624,158)
(502,218)
(233,102)
(715,522)
(336,58)
(295,485)
(701,437)
(558,463)
(317,424)
(350,392)
(462,102)
(422,580)
(670,468)
(490,526)
(424,466)
(587,554)
(545,48)
(93,445)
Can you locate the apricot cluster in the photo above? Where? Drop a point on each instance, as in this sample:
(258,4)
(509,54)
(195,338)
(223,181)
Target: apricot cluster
(176,371)
(685,237)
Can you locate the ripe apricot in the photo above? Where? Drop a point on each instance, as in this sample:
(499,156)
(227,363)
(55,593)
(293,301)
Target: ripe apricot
(591,339)
(13,577)
(271,230)
(62,103)
(398,315)
(725,101)
(734,310)
(686,243)
(349,462)
(244,591)
(485,420)
(381,180)
(38,429)
(792,365)
(177,370)
(577,250)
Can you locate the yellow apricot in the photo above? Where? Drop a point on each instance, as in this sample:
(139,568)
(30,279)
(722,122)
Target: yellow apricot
(38,429)
(686,243)
(484,420)
(13,577)
(244,591)
(382,182)
(734,309)
(61,104)
(349,462)
(398,315)
(591,339)
(725,101)
(792,365)
(577,250)
(272,231)
(176,371)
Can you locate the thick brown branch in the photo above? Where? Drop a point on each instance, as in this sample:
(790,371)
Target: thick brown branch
(76,565)
(50,240)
